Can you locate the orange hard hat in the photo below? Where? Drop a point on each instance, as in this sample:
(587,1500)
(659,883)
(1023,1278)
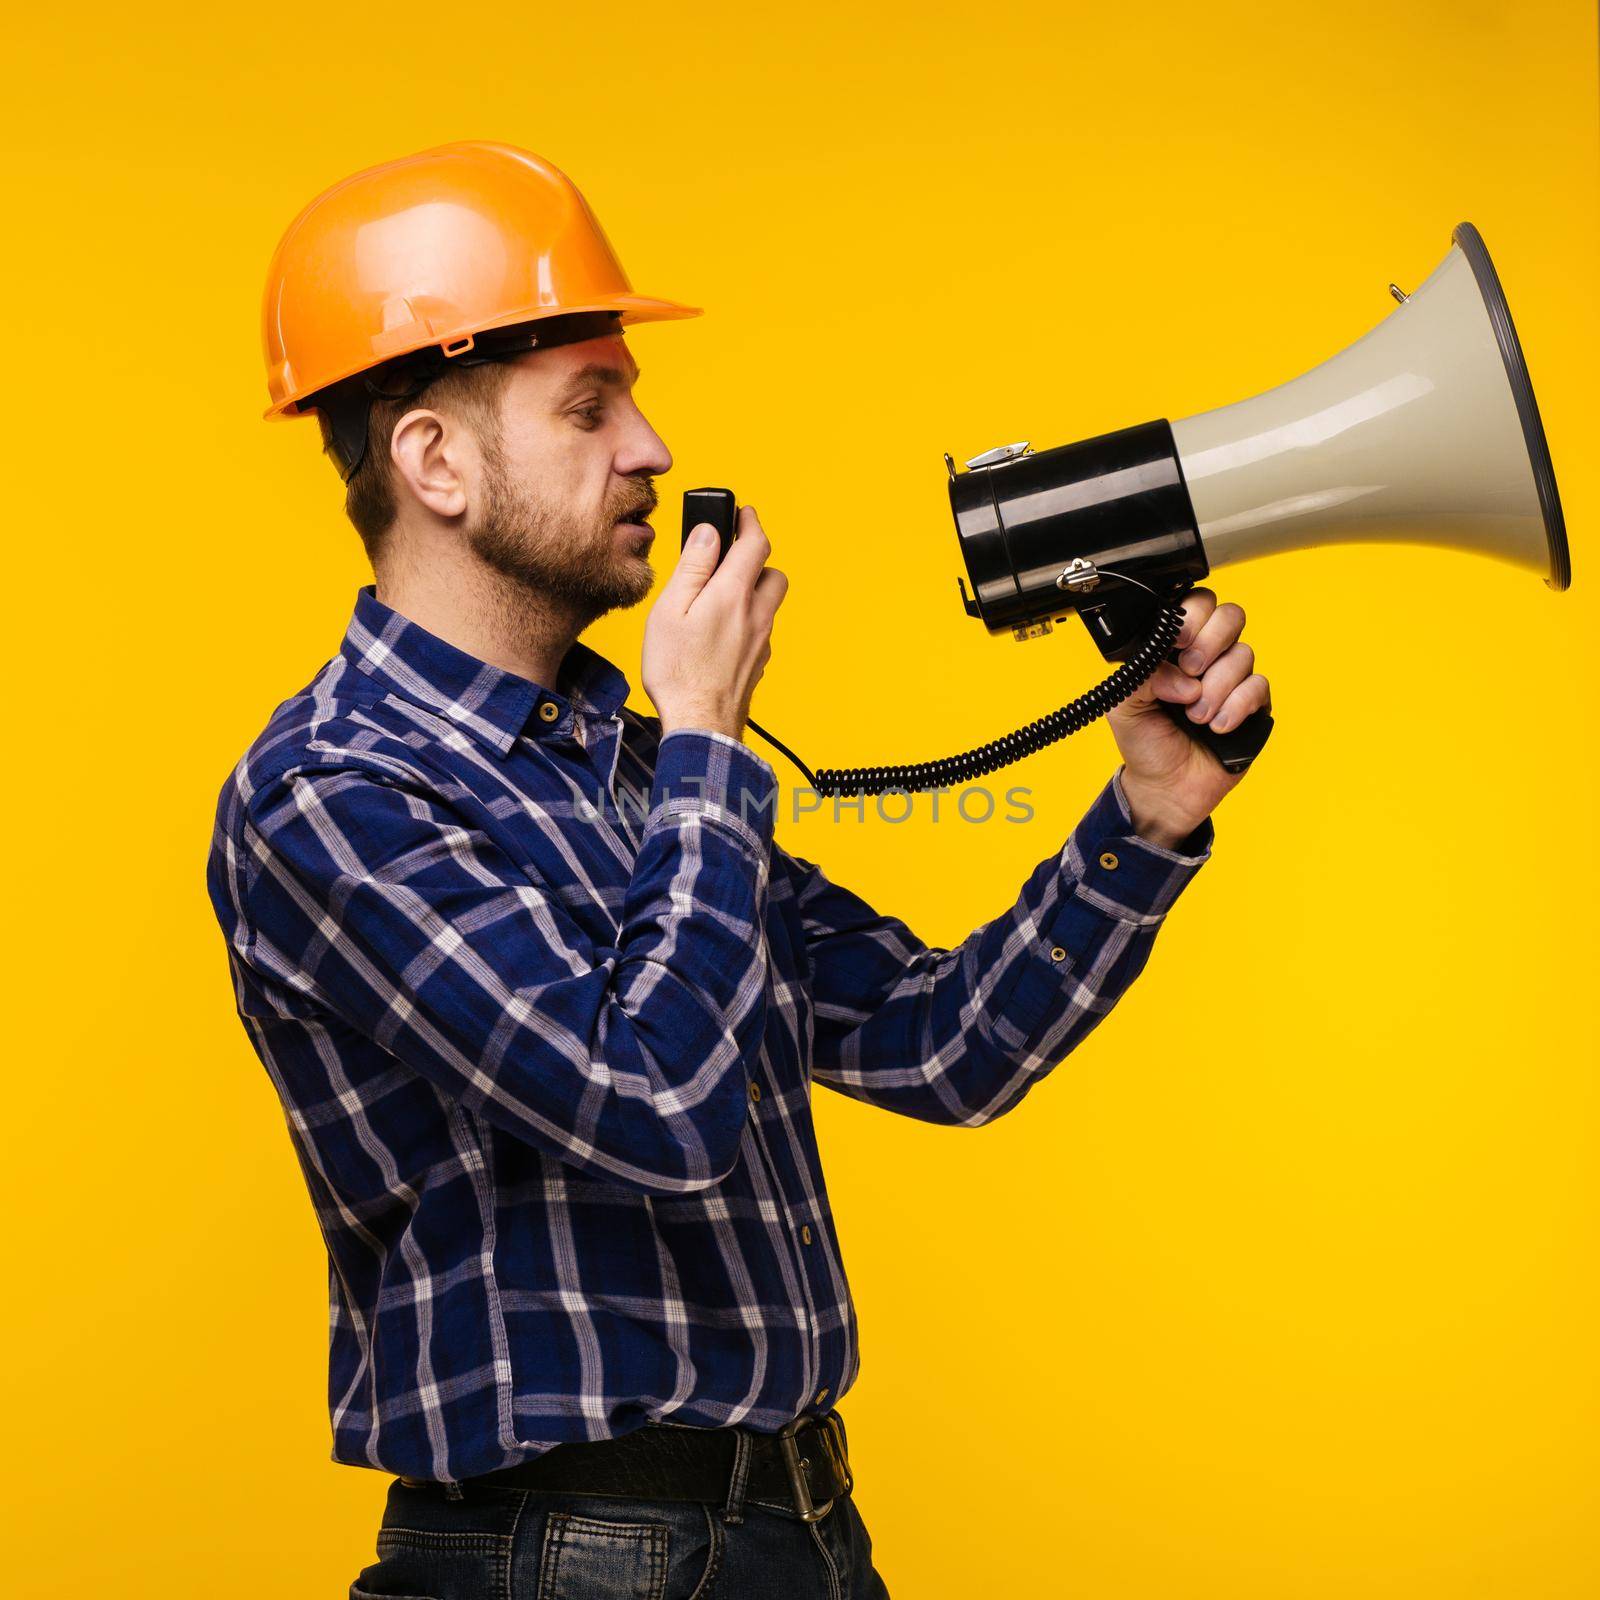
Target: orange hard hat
(429,252)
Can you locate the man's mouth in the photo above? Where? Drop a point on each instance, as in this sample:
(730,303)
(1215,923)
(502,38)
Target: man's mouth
(639,517)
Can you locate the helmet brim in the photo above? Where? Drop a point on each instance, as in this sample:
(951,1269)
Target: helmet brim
(631,308)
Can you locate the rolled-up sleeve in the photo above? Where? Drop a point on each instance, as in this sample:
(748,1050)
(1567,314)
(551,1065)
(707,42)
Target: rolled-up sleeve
(960,1035)
(371,896)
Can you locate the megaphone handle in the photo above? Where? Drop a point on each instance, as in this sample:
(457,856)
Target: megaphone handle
(1119,621)
(1236,748)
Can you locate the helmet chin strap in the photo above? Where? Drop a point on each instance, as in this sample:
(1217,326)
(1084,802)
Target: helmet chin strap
(347,404)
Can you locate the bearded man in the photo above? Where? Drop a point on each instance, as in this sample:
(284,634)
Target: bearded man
(546,1054)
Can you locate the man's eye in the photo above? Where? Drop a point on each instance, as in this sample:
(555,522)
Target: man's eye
(591,414)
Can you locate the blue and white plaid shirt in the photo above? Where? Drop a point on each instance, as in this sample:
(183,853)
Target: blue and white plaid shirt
(544,1003)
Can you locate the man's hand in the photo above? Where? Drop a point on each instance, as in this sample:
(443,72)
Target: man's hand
(1172,783)
(709,634)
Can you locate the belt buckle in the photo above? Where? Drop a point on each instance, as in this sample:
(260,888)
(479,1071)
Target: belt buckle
(831,1439)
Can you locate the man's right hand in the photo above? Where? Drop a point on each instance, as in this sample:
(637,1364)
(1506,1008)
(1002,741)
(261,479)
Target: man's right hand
(709,634)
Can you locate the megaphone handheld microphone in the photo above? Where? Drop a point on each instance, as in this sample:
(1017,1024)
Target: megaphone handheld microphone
(1423,431)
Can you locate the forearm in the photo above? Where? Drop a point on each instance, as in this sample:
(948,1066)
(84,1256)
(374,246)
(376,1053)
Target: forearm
(680,1017)
(959,1036)
(1156,817)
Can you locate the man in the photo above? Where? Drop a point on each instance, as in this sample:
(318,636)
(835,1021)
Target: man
(546,1053)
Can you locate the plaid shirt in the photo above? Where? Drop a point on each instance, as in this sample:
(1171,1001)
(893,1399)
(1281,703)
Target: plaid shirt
(544,1003)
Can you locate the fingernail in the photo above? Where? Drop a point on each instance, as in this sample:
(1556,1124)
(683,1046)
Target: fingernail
(1198,710)
(1191,660)
(703,536)
(1224,721)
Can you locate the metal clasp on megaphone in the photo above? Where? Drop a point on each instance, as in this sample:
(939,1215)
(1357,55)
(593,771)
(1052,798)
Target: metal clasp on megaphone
(1001,454)
(997,457)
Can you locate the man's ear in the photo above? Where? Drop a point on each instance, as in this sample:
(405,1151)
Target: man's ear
(430,460)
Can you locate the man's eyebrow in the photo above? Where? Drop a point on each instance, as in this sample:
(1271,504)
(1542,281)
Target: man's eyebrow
(597,372)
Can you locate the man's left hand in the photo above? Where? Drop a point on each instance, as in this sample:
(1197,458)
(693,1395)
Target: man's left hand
(1172,783)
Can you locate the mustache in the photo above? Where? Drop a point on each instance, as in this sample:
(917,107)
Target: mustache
(639,510)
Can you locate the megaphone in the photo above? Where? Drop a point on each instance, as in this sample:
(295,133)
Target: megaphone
(1425,430)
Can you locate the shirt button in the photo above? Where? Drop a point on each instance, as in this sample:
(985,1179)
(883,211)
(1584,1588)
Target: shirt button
(805,1234)
(1057,953)
(1109,861)
(549,711)
(755,1091)
(822,1394)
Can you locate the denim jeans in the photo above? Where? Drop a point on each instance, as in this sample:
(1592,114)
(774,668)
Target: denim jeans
(486,1542)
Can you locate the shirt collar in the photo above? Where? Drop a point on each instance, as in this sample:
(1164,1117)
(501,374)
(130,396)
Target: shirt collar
(492,704)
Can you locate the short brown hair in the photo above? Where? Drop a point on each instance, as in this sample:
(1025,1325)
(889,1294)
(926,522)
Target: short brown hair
(471,394)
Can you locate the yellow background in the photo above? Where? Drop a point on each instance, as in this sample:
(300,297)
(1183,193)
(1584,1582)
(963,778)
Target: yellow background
(1284,1284)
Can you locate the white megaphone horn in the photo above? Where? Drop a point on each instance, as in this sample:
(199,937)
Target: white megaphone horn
(1425,430)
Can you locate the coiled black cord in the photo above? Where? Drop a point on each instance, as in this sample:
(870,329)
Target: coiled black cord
(918,776)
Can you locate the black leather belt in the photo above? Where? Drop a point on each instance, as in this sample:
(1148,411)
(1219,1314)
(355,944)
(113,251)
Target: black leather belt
(802,1468)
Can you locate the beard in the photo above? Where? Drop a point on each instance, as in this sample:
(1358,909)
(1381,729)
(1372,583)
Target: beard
(556,555)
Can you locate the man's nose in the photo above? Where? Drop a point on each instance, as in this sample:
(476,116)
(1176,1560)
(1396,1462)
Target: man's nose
(643,451)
